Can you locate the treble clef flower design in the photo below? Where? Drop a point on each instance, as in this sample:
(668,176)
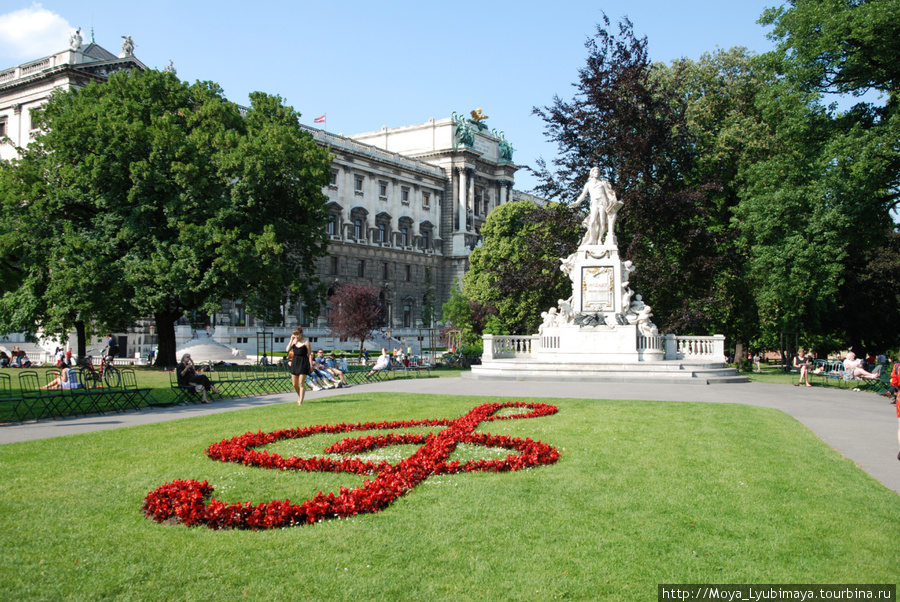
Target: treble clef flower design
(185,501)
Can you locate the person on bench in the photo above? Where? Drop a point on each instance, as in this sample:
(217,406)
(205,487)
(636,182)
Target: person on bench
(67,379)
(188,376)
(382,363)
(853,368)
(801,363)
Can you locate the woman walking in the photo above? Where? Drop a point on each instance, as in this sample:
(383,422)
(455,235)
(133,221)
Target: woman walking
(300,366)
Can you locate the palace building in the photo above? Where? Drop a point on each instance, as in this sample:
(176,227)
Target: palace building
(406,205)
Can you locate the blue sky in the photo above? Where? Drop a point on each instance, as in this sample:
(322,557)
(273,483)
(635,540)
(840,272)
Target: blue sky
(390,63)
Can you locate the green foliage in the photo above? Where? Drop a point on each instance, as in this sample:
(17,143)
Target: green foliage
(633,125)
(516,270)
(162,199)
(839,45)
(464,315)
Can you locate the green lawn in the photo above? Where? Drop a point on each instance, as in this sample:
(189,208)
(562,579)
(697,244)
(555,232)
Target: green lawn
(644,493)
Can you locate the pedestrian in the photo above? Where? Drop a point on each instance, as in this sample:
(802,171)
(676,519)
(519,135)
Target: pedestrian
(299,354)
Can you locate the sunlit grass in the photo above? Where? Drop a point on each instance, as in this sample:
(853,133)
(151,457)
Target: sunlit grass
(643,493)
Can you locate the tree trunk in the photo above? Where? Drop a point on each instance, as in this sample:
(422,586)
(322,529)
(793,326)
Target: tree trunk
(165,328)
(82,340)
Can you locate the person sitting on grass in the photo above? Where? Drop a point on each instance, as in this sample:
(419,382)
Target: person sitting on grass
(801,363)
(382,363)
(67,379)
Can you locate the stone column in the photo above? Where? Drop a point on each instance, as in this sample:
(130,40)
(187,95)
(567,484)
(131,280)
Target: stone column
(470,200)
(463,186)
(503,192)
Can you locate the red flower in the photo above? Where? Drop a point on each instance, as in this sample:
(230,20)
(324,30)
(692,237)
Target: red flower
(185,500)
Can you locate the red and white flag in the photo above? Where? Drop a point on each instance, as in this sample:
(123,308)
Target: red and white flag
(319,119)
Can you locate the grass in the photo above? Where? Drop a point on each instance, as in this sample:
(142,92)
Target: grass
(644,493)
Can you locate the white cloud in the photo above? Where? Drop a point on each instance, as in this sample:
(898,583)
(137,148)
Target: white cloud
(32,33)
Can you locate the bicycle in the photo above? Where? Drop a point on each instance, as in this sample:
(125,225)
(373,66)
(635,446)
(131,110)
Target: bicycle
(108,373)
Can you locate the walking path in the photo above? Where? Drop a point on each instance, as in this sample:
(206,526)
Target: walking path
(861,426)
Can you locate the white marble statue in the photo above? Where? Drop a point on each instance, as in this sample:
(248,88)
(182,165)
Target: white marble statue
(128,46)
(567,314)
(551,320)
(75,40)
(601,217)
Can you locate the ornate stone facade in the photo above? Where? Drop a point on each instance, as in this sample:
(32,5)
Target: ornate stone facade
(407,204)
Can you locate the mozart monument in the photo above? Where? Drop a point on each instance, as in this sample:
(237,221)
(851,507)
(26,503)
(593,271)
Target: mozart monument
(604,331)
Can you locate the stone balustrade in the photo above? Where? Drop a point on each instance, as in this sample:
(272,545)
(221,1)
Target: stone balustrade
(708,348)
(499,347)
(690,348)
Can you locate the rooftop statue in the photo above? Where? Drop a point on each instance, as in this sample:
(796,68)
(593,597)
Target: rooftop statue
(128,46)
(601,217)
(75,40)
(477,115)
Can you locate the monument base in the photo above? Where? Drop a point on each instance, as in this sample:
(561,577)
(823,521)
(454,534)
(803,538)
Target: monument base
(595,344)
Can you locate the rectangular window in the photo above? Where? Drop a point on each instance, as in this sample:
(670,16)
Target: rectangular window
(384,271)
(358,185)
(334,266)
(409,273)
(382,190)
(404,237)
(3,121)
(407,316)
(404,195)
(361,268)
(426,239)
(332,226)
(426,200)
(334,177)
(358,229)
(382,233)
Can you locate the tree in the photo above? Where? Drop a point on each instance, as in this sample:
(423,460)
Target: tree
(840,46)
(469,317)
(833,176)
(356,312)
(170,201)
(516,270)
(634,128)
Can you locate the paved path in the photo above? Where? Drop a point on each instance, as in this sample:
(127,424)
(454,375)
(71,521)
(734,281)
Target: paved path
(861,426)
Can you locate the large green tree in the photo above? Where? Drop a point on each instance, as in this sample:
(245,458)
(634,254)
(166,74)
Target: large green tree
(164,199)
(818,210)
(516,270)
(634,128)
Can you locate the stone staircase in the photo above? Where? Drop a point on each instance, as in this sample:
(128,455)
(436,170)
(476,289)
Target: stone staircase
(663,372)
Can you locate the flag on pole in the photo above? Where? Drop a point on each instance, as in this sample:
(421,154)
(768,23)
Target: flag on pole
(319,119)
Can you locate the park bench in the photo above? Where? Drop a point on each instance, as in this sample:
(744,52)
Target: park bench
(134,397)
(57,403)
(9,403)
(234,381)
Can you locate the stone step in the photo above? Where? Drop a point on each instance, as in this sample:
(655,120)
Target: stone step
(670,372)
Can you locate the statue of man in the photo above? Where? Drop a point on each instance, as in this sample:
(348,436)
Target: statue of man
(75,40)
(128,46)
(603,209)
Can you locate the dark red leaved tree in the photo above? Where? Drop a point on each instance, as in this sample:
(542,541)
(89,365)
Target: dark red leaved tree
(356,312)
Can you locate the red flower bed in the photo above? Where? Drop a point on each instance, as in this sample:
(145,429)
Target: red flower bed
(185,500)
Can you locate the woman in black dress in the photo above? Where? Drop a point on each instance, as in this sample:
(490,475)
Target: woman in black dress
(300,366)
